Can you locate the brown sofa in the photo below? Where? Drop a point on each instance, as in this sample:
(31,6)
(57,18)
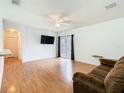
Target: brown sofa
(106,78)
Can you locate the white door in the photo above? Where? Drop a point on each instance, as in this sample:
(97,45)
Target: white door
(65,47)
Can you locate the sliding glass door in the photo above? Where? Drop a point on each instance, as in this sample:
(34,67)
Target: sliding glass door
(65,47)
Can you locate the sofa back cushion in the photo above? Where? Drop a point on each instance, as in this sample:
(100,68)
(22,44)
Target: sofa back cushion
(108,62)
(114,81)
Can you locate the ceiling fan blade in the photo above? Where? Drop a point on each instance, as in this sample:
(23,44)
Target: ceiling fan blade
(65,24)
(65,13)
(48,18)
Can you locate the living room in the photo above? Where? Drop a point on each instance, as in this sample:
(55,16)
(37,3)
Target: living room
(87,36)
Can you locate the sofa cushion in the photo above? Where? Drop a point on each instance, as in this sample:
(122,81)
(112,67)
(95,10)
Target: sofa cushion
(87,84)
(114,81)
(122,58)
(108,62)
(100,72)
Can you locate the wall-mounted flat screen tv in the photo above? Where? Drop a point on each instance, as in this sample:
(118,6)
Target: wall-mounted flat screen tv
(47,39)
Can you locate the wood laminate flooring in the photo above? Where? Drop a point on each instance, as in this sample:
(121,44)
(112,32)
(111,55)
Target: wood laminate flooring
(41,76)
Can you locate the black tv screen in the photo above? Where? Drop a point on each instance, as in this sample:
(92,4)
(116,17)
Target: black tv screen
(47,39)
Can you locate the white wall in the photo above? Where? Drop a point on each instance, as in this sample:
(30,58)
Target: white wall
(31,47)
(17,14)
(1,58)
(105,39)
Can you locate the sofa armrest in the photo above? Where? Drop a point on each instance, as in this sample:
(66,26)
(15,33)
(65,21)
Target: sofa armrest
(87,79)
(83,83)
(108,62)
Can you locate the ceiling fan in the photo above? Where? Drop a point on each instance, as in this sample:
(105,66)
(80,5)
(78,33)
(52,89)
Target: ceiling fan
(59,20)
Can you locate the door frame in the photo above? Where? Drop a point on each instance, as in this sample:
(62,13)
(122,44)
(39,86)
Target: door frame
(66,41)
(19,41)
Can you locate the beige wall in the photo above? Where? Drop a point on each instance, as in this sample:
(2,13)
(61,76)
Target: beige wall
(19,45)
(12,41)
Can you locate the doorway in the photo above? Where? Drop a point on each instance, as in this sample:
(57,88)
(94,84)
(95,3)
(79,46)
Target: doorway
(12,41)
(65,43)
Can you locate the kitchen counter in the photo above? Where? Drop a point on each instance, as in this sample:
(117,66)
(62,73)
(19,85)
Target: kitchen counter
(5,52)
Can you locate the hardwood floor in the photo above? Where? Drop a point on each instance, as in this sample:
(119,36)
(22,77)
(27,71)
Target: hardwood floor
(41,76)
(12,60)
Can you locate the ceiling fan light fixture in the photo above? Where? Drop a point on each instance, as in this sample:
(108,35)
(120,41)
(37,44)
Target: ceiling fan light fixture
(57,25)
(59,20)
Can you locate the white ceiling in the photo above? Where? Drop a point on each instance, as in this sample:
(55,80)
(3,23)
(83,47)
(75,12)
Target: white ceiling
(83,12)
